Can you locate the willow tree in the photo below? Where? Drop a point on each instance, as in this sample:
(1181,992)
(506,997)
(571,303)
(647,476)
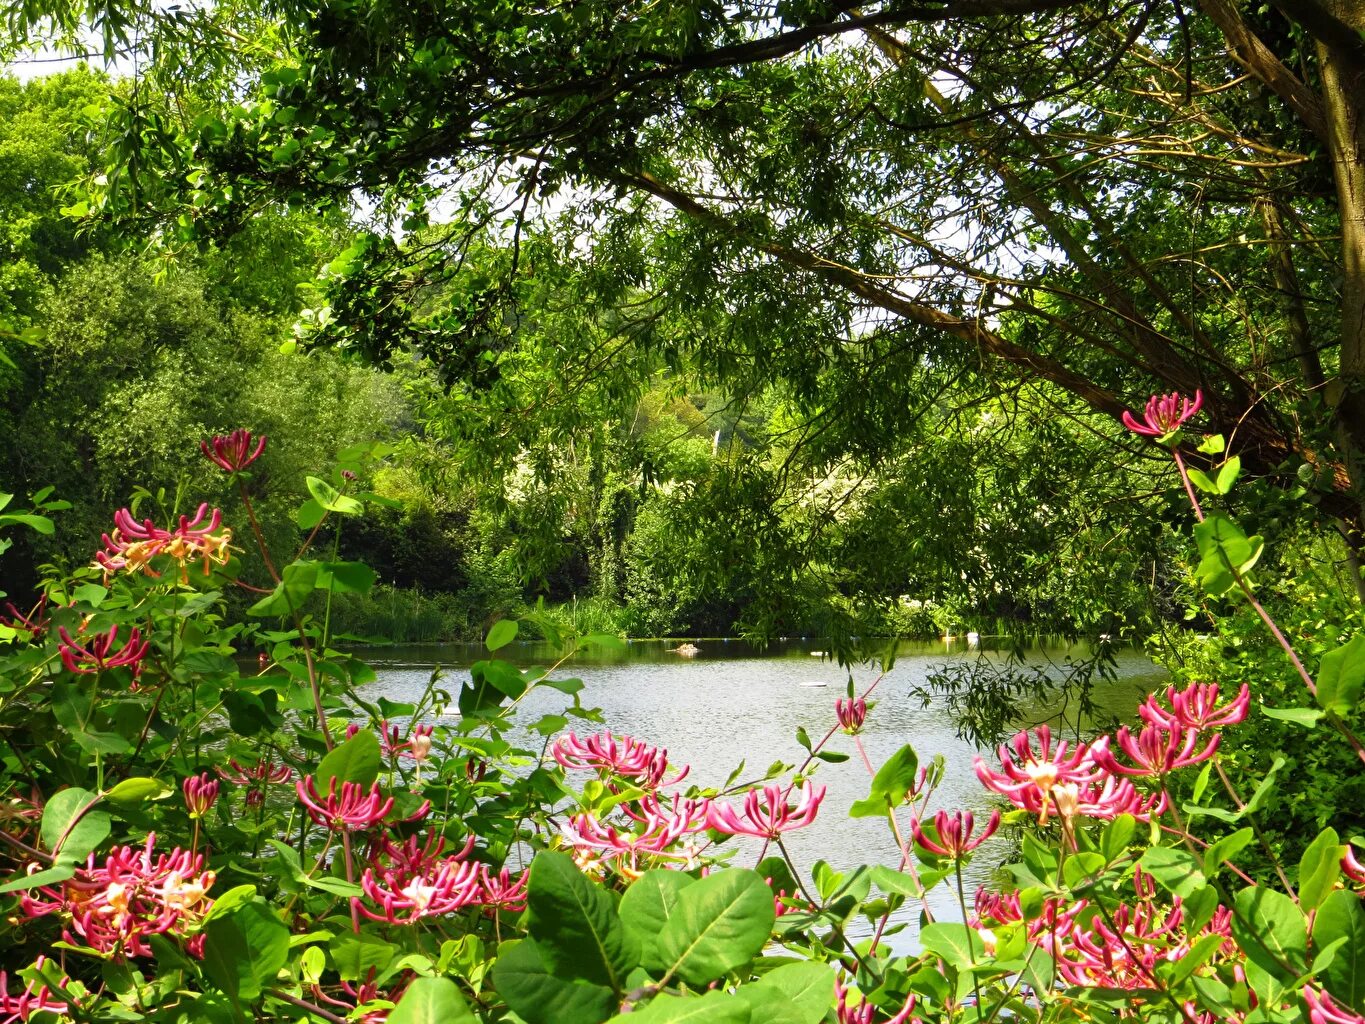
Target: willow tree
(894,210)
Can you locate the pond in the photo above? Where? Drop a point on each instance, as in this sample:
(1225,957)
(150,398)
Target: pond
(733,702)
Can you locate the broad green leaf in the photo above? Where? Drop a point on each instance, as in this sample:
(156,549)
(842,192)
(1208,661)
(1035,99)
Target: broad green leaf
(356,955)
(48,876)
(432,1001)
(244,951)
(539,997)
(1269,927)
(1176,870)
(356,760)
(1319,868)
(1117,835)
(893,781)
(721,922)
(330,498)
(70,828)
(575,926)
(1266,787)
(1228,474)
(1223,548)
(1306,717)
(1341,676)
(647,906)
(502,633)
(1225,849)
(708,1008)
(806,988)
(1176,972)
(955,943)
(1341,916)
(345,577)
(139,789)
(298,580)
(326,883)
(1201,480)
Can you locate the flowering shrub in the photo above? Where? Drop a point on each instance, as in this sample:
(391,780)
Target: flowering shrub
(210,821)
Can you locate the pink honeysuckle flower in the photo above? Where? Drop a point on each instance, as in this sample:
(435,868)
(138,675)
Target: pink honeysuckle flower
(863,1012)
(201,792)
(365,992)
(1323,1009)
(1164,414)
(35,623)
(99,655)
(1046,931)
(133,544)
(1106,802)
(851,714)
(353,809)
(233,453)
(1196,707)
(662,828)
(30,1000)
(1155,751)
(115,907)
(404,898)
(954,833)
(419,743)
(1352,868)
(500,892)
(1029,781)
(413,855)
(256,778)
(1125,955)
(632,759)
(767,816)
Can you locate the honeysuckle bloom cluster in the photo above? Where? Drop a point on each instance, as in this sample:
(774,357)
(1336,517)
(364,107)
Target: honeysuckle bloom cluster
(765,814)
(1196,707)
(659,829)
(851,714)
(201,792)
(366,991)
(133,544)
(349,806)
(502,891)
(34,623)
(1155,752)
(405,898)
(115,906)
(863,1012)
(1323,1009)
(1352,868)
(256,778)
(1164,413)
(1057,918)
(30,999)
(954,833)
(645,766)
(101,652)
(234,452)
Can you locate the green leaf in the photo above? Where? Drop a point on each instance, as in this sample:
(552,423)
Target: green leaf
(70,829)
(1228,474)
(1319,868)
(1341,916)
(1201,480)
(575,926)
(1306,717)
(1266,787)
(356,760)
(1175,972)
(539,997)
(139,789)
(48,876)
(1341,675)
(330,498)
(432,1001)
(1176,870)
(309,514)
(1117,835)
(647,906)
(298,580)
(1223,548)
(503,632)
(1269,927)
(244,951)
(709,1008)
(806,986)
(721,922)
(90,593)
(1225,849)
(606,641)
(890,785)
(1213,445)
(345,577)
(356,955)
(325,883)
(952,941)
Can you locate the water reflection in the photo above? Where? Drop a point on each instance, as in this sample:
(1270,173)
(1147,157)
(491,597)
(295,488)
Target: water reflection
(732,702)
